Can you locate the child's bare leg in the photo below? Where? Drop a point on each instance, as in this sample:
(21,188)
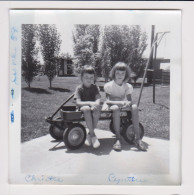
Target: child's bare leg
(88,118)
(135,120)
(96,116)
(116,120)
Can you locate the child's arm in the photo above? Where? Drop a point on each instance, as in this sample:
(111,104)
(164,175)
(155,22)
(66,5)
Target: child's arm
(88,103)
(84,103)
(96,103)
(78,100)
(129,102)
(98,99)
(113,102)
(129,98)
(119,103)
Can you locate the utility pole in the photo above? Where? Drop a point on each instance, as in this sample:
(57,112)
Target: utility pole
(155,44)
(150,74)
(154,82)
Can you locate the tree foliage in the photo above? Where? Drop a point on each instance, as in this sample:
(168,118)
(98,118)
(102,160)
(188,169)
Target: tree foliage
(86,41)
(29,53)
(136,62)
(50,43)
(123,43)
(104,46)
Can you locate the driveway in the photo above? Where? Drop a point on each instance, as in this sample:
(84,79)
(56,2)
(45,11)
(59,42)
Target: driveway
(45,156)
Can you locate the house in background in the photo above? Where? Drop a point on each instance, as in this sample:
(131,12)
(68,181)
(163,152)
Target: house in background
(65,66)
(161,72)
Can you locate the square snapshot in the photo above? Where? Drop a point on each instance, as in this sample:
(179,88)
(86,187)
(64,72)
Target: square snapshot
(95,97)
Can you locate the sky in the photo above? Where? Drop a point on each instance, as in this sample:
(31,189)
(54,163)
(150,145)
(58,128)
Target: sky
(67,41)
(65,21)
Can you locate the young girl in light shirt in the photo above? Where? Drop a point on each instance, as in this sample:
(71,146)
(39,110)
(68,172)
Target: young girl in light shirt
(118,94)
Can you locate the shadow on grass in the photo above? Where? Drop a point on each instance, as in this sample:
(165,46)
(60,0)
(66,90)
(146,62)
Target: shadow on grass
(138,85)
(60,89)
(36,90)
(162,106)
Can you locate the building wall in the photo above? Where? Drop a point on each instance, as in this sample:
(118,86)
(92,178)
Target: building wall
(65,66)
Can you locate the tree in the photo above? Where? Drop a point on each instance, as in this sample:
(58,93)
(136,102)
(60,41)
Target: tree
(29,53)
(137,63)
(86,40)
(123,43)
(95,31)
(50,43)
(50,71)
(105,61)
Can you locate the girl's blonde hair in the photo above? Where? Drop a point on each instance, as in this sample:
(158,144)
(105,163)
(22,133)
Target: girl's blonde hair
(122,67)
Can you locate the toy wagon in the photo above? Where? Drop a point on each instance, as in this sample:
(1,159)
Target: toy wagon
(68,127)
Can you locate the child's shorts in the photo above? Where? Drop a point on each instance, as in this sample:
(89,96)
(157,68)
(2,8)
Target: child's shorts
(85,107)
(106,107)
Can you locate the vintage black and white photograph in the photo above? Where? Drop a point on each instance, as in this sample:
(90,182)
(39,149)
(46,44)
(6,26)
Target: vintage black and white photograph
(95,95)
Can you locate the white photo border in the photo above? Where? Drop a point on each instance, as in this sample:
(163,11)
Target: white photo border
(134,17)
(187,187)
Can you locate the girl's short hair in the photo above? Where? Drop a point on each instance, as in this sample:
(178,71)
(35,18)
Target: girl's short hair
(122,67)
(89,70)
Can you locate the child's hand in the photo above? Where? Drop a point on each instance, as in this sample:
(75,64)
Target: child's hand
(94,106)
(123,103)
(126,104)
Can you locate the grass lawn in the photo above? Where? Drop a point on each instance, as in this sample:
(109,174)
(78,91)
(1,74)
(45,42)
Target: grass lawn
(40,101)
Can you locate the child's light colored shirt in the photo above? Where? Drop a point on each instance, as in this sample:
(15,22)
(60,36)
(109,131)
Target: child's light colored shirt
(117,92)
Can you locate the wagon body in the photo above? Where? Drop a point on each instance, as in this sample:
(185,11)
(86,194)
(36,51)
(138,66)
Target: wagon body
(72,114)
(68,128)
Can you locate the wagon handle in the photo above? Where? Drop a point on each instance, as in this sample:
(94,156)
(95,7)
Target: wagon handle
(70,97)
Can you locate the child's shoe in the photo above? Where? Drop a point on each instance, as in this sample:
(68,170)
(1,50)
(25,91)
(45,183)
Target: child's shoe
(88,141)
(139,144)
(95,142)
(117,145)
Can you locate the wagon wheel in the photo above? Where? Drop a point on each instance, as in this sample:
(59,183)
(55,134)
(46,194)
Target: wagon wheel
(74,136)
(129,134)
(55,132)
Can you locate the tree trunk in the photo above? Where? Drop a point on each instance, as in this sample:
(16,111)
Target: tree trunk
(50,83)
(135,81)
(106,79)
(28,84)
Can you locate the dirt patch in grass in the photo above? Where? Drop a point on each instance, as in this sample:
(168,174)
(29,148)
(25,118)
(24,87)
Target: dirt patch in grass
(40,102)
